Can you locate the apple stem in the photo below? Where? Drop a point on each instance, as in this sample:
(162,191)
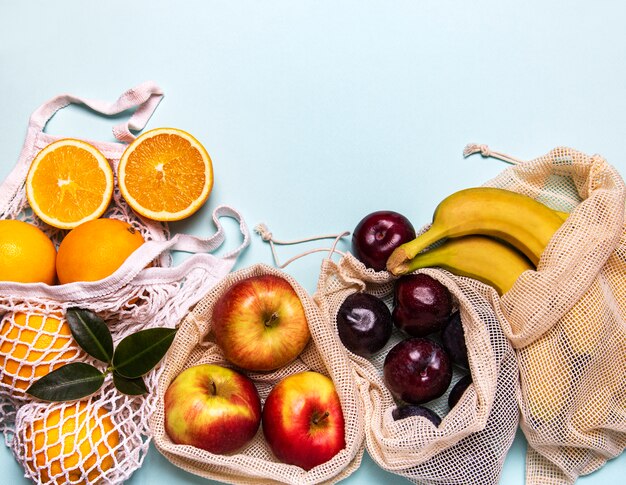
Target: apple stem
(213,388)
(272,318)
(319,418)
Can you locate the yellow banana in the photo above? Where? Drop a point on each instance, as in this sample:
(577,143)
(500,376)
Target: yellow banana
(480,257)
(517,219)
(546,380)
(583,325)
(562,215)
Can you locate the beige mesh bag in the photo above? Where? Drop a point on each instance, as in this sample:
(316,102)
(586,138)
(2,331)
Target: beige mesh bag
(255,464)
(105,437)
(470,445)
(567,319)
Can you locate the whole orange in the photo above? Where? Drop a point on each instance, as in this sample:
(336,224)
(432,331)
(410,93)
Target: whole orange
(71,442)
(96,249)
(32,345)
(27,255)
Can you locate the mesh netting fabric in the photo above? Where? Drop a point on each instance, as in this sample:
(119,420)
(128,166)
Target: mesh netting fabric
(100,440)
(567,319)
(255,464)
(137,306)
(145,292)
(470,445)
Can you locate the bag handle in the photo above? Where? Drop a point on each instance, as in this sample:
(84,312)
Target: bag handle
(145,97)
(133,267)
(194,244)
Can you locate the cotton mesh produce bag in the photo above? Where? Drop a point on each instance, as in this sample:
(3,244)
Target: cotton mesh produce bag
(254,463)
(106,436)
(566,320)
(470,445)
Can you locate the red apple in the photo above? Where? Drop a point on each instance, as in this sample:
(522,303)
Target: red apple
(260,323)
(213,408)
(302,420)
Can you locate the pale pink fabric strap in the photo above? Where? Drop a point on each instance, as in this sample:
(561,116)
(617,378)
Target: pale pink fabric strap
(195,244)
(145,97)
(134,267)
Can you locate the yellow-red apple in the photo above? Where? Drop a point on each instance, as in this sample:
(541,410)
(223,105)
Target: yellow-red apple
(260,323)
(302,420)
(213,408)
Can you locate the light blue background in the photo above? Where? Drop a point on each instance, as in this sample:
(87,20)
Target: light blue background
(318,112)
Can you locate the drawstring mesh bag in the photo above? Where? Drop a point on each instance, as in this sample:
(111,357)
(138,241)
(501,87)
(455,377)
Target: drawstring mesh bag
(567,319)
(254,463)
(470,445)
(106,436)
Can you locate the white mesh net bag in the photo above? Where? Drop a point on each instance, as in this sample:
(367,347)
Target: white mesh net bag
(470,445)
(254,463)
(106,436)
(567,319)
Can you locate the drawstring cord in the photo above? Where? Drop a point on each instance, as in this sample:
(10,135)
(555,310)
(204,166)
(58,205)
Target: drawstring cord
(263,231)
(485,151)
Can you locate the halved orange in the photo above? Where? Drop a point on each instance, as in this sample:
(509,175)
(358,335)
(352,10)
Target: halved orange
(69,182)
(165,174)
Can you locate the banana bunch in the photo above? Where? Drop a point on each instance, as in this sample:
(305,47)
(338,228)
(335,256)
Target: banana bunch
(490,234)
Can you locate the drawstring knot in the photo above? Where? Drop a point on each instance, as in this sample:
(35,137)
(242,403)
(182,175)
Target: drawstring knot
(262,230)
(472,148)
(485,151)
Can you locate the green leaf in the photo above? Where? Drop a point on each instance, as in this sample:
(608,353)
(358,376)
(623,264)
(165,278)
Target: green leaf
(138,353)
(132,387)
(68,383)
(91,333)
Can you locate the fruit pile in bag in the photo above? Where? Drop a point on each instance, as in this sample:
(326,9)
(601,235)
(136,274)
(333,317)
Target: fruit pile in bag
(436,375)
(543,245)
(567,319)
(256,389)
(88,301)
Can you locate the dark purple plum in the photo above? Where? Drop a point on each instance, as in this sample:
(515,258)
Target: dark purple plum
(453,340)
(377,235)
(406,410)
(422,305)
(417,370)
(457,391)
(364,324)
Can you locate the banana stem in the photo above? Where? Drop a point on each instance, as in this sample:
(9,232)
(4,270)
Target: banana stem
(400,260)
(428,259)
